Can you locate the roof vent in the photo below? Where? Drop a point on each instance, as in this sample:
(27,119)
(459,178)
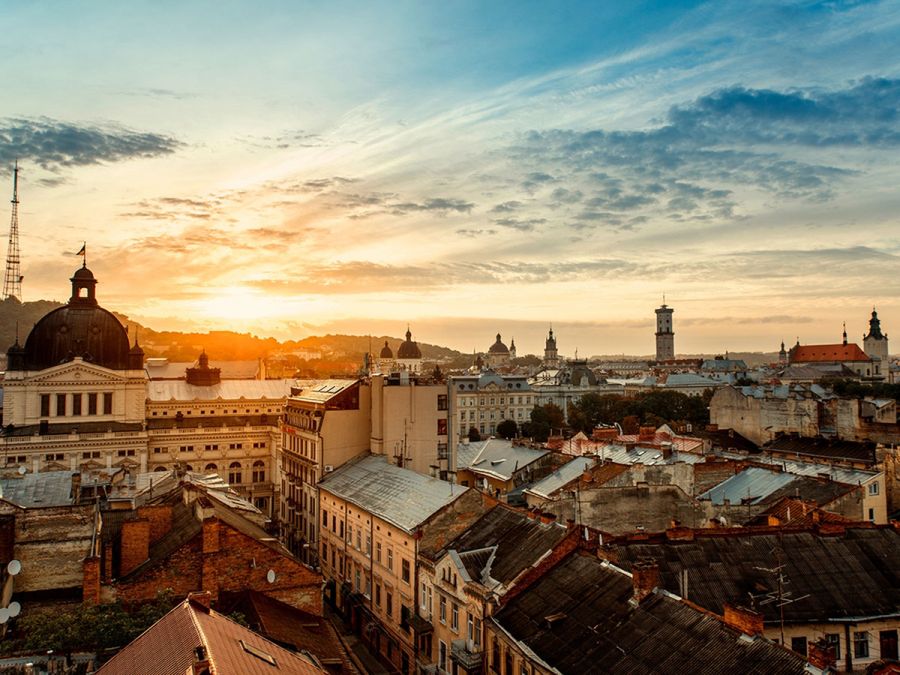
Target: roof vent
(258,653)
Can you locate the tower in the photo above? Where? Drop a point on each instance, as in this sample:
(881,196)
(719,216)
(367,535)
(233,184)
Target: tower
(551,356)
(12,281)
(665,336)
(875,345)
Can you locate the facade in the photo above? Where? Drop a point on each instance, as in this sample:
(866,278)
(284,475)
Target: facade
(566,383)
(485,399)
(665,333)
(372,518)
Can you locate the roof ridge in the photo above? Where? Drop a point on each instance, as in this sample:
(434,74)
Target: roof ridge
(203,641)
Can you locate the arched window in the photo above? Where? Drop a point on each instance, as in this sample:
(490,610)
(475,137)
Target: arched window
(160,468)
(188,468)
(259,471)
(211,467)
(234,473)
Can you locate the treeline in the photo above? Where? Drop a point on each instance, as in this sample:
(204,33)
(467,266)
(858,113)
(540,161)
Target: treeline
(852,388)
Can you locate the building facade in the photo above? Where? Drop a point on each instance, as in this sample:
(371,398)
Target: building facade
(665,333)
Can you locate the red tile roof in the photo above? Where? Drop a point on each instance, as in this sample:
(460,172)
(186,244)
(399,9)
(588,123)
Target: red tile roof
(167,648)
(828,353)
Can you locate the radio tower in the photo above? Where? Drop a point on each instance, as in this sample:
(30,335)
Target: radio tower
(12,282)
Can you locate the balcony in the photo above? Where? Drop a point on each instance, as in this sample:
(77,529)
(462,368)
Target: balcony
(467,655)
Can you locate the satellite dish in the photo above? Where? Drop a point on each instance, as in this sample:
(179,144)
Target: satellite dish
(14,567)
(14,609)
(22,470)
(4,615)
(270,576)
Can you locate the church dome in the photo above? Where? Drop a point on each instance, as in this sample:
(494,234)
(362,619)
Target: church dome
(79,329)
(386,352)
(409,349)
(498,347)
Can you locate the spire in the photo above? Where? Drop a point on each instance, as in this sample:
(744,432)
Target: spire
(845,332)
(408,334)
(875,328)
(12,281)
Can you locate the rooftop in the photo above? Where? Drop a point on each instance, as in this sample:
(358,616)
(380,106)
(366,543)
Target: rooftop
(228,390)
(836,352)
(35,490)
(563,475)
(401,497)
(499,458)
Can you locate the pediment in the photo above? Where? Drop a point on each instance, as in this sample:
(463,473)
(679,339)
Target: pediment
(76,372)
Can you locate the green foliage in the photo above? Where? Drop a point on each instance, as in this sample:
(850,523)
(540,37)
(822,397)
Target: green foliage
(474,435)
(652,408)
(852,388)
(545,419)
(87,627)
(507,429)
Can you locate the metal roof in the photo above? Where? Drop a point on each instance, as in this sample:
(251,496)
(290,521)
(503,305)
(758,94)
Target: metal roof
(500,458)
(841,474)
(399,496)
(228,390)
(323,390)
(564,474)
(35,490)
(752,485)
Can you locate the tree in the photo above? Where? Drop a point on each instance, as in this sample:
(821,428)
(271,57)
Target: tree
(474,435)
(508,429)
(544,420)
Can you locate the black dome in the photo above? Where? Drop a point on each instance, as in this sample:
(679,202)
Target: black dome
(498,347)
(409,349)
(386,352)
(80,329)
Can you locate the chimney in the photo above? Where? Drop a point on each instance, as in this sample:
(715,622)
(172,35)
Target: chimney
(547,518)
(90,581)
(202,598)
(743,619)
(822,654)
(646,433)
(644,577)
(666,448)
(76,488)
(604,434)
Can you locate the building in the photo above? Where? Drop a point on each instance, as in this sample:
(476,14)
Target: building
(875,344)
(568,382)
(409,356)
(485,399)
(871,364)
(498,466)
(498,354)
(576,613)
(665,333)
(373,516)
(551,355)
(194,639)
(834,582)
(462,583)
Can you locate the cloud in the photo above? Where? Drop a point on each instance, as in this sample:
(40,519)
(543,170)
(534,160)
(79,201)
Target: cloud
(523,225)
(439,204)
(506,207)
(54,145)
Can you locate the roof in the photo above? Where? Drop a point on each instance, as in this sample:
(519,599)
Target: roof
(504,542)
(689,380)
(757,485)
(500,458)
(577,618)
(168,647)
(160,368)
(83,426)
(230,390)
(825,447)
(841,474)
(563,475)
(498,347)
(837,352)
(408,349)
(34,490)
(323,391)
(854,574)
(401,497)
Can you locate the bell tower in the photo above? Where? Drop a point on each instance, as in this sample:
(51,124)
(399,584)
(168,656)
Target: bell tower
(875,345)
(665,335)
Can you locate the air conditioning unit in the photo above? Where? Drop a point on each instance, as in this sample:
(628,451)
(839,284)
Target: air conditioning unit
(328,468)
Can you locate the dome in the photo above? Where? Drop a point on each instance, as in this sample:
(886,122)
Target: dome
(79,329)
(498,347)
(409,349)
(386,352)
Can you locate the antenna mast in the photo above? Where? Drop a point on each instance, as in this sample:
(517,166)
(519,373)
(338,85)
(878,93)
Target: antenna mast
(12,281)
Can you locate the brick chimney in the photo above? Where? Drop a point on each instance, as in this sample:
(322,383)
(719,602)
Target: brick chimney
(822,654)
(90,581)
(644,577)
(743,619)
(646,433)
(604,434)
(203,598)
(135,544)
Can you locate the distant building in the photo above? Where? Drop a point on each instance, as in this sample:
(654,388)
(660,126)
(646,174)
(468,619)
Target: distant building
(409,356)
(551,355)
(498,354)
(875,344)
(485,399)
(665,333)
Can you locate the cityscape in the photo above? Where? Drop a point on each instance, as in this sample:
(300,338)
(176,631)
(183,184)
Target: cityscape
(475,339)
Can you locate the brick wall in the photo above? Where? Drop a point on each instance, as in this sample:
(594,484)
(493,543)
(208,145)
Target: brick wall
(743,619)
(90,588)
(160,518)
(135,544)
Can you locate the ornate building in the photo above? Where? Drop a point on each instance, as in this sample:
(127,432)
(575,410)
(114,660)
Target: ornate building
(551,356)
(875,345)
(498,354)
(409,356)
(665,334)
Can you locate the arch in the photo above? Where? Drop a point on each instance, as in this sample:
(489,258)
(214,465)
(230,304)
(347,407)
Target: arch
(235,475)
(259,471)
(160,468)
(211,467)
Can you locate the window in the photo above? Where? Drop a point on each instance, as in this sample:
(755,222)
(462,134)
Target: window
(442,427)
(442,402)
(259,471)
(324,518)
(834,640)
(443,614)
(872,515)
(873,489)
(358,539)
(508,663)
(60,405)
(92,404)
(350,534)
(404,566)
(454,617)
(389,603)
(861,644)
(477,635)
(45,405)
(390,559)
(378,552)
(442,655)
(92,454)
(234,472)
(76,404)
(368,545)
(211,467)
(107,403)
(798,644)
(378,595)
(495,654)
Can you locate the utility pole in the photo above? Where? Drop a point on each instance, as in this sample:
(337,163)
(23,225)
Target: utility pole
(12,281)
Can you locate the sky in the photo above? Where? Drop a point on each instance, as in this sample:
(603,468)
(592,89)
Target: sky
(301,168)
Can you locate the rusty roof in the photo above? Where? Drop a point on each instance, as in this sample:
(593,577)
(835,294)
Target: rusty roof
(824,353)
(168,648)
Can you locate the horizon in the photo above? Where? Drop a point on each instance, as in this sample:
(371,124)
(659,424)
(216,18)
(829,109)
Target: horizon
(467,170)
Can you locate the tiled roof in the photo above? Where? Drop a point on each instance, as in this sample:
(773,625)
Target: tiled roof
(577,619)
(831,576)
(167,648)
(818,353)
(399,496)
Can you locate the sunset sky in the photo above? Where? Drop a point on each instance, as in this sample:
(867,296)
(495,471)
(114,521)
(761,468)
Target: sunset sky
(470,168)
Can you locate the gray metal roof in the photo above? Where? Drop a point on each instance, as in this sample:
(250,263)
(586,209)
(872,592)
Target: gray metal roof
(399,496)
(499,458)
(840,474)
(564,474)
(229,390)
(34,490)
(752,484)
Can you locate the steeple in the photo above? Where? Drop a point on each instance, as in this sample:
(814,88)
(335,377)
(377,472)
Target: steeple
(845,332)
(12,281)
(875,328)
